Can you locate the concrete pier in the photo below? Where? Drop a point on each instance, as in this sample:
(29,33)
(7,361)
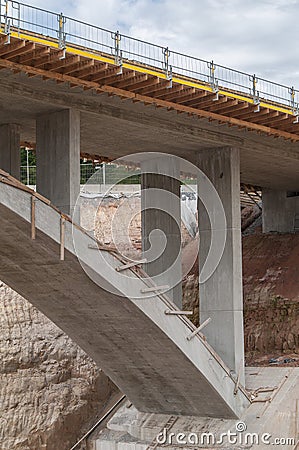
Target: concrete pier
(10,157)
(221,296)
(280,210)
(58,158)
(161,223)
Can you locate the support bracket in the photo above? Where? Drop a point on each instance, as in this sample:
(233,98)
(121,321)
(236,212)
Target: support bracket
(198,329)
(132,264)
(154,289)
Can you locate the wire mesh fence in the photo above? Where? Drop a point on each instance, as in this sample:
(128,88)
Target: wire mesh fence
(28,175)
(104,174)
(87,36)
(65,30)
(25,17)
(142,52)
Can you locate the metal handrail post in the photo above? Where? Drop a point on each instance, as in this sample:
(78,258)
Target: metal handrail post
(292,99)
(7,22)
(61,34)
(17,6)
(255,92)
(167,66)
(212,78)
(117,50)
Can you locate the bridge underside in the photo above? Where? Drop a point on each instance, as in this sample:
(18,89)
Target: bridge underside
(112,127)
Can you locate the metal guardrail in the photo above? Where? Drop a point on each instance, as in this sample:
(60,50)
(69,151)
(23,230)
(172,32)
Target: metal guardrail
(68,31)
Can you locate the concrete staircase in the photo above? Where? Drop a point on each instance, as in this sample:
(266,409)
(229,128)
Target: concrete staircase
(143,350)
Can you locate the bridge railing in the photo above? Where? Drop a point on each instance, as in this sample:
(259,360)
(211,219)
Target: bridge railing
(25,17)
(68,31)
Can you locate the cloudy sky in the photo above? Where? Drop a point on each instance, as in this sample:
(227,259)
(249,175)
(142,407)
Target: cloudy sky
(255,36)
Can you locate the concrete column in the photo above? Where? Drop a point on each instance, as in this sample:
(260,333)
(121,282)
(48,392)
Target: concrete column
(58,158)
(279,211)
(161,223)
(10,155)
(221,295)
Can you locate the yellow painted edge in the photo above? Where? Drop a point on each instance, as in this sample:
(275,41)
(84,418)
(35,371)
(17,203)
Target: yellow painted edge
(277,108)
(144,70)
(158,74)
(34,39)
(79,52)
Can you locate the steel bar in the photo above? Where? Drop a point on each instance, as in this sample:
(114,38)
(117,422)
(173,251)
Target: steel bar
(62,238)
(155,289)
(132,264)
(197,330)
(170,312)
(33,231)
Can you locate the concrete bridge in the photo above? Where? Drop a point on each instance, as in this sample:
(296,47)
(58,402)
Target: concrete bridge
(70,100)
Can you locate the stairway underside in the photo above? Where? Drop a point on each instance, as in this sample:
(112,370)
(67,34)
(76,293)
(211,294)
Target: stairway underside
(144,352)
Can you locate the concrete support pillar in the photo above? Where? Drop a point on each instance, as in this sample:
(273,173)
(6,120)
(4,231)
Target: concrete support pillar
(161,223)
(279,211)
(221,295)
(58,158)
(10,156)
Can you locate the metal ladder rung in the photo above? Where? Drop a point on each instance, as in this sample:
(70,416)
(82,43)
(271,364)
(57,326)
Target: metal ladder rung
(129,265)
(168,425)
(154,289)
(170,312)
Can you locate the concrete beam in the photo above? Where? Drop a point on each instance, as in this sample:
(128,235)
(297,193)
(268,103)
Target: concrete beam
(265,161)
(58,158)
(221,295)
(279,211)
(10,156)
(161,223)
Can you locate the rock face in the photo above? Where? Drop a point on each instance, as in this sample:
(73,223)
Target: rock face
(271,294)
(50,391)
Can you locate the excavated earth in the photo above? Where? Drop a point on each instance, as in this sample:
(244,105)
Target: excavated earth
(271,298)
(51,392)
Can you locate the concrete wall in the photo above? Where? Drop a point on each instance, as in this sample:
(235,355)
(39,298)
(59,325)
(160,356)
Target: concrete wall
(279,211)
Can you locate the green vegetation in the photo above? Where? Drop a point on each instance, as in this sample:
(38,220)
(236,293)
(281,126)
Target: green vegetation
(31,157)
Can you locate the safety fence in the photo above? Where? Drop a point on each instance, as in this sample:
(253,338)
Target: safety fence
(67,31)
(101,174)
(104,174)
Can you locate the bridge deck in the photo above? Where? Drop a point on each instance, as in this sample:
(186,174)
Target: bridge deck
(38,55)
